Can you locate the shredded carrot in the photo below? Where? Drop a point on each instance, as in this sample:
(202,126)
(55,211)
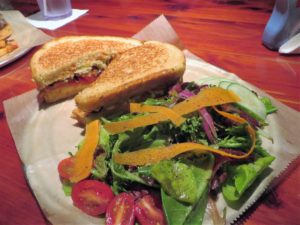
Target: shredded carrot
(154,155)
(207,97)
(167,112)
(140,121)
(84,157)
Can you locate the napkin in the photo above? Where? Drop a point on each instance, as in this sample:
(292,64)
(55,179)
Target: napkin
(37,19)
(292,46)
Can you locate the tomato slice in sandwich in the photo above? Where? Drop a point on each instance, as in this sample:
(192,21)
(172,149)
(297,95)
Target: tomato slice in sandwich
(92,196)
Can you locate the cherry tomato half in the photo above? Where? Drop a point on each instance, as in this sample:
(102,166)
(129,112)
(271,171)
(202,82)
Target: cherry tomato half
(65,167)
(92,196)
(121,210)
(147,213)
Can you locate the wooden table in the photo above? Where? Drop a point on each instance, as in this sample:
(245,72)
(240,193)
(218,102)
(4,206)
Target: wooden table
(225,33)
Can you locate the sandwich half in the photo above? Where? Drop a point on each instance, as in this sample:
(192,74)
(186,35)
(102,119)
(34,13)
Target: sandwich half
(67,65)
(151,66)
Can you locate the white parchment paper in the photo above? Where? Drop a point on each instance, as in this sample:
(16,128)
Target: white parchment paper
(44,135)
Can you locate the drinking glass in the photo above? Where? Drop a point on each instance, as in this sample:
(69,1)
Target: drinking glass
(55,9)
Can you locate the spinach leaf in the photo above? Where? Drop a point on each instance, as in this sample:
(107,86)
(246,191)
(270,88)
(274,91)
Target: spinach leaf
(177,179)
(180,213)
(242,176)
(202,167)
(175,211)
(196,215)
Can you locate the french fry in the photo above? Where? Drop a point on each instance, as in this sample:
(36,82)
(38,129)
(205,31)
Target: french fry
(11,45)
(7,44)
(3,51)
(5,32)
(2,43)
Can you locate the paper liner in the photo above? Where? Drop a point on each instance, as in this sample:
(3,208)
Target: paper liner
(24,33)
(44,136)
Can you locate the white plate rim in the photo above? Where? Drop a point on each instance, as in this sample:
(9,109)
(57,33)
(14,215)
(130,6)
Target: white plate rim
(11,59)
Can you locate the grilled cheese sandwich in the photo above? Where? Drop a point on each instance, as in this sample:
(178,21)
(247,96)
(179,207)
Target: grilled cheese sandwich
(151,66)
(65,66)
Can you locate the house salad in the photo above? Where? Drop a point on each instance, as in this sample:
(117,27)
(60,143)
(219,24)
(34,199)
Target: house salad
(171,154)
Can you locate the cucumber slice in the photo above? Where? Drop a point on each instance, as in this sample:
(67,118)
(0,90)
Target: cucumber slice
(249,101)
(225,83)
(212,80)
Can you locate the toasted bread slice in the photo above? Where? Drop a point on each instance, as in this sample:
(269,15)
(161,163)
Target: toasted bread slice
(140,69)
(63,59)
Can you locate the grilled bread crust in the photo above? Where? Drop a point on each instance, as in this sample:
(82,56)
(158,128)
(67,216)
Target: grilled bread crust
(140,69)
(60,58)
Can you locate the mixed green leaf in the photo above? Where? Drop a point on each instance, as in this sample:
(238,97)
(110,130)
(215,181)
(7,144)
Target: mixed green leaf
(184,182)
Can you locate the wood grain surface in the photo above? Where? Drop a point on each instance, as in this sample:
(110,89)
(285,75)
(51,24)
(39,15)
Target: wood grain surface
(226,33)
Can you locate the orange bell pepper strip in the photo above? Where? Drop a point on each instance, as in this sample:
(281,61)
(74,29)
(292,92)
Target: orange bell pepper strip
(153,155)
(140,121)
(167,112)
(210,96)
(84,157)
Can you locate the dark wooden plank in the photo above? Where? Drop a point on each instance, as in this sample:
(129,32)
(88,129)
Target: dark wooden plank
(226,33)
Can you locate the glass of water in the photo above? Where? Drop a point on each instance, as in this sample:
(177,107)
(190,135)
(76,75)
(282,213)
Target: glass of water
(55,9)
